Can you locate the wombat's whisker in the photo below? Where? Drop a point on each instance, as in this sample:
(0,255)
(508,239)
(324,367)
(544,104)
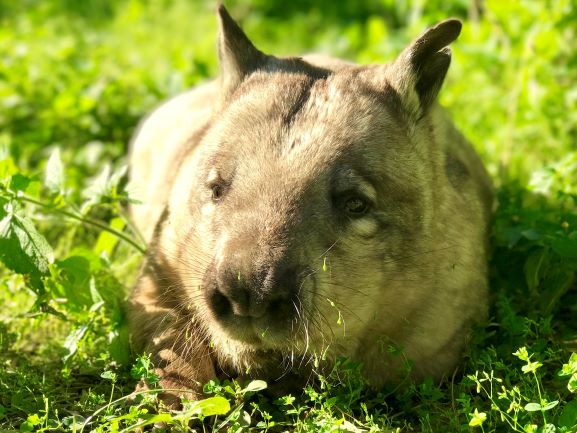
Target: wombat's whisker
(325,252)
(302,321)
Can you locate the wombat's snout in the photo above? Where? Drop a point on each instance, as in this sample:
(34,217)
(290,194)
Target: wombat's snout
(267,294)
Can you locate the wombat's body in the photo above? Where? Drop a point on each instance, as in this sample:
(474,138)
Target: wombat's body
(300,208)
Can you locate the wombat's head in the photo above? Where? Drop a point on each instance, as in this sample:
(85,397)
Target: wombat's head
(308,205)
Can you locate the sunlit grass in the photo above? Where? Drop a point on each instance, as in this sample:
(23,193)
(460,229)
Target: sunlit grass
(79,75)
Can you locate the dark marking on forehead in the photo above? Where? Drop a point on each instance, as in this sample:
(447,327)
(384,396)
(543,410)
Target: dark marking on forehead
(273,68)
(304,93)
(300,66)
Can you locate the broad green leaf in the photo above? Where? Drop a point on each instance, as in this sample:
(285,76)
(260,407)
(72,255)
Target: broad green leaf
(550,405)
(522,354)
(71,280)
(145,420)
(110,375)
(568,417)
(99,186)
(119,344)
(477,418)
(73,422)
(509,236)
(72,341)
(31,422)
(106,240)
(246,418)
(255,385)
(572,385)
(531,367)
(532,407)
(531,234)
(54,172)
(286,400)
(208,407)
(22,249)
(103,185)
(570,367)
(533,267)
(558,282)
(565,247)
(94,293)
(348,426)
(106,287)
(19,182)
(7,168)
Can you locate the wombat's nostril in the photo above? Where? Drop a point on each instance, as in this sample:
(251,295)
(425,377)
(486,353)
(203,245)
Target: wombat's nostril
(276,306)
(220,304)
(228,300)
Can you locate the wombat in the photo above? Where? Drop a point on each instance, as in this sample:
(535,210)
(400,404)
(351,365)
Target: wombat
(305,209)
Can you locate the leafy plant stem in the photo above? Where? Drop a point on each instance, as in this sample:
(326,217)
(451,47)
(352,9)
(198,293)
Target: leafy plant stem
(85,220)
(512,421)
(540,398)
(111,394)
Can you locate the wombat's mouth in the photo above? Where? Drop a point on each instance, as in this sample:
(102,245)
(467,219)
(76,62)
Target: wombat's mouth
(246,331)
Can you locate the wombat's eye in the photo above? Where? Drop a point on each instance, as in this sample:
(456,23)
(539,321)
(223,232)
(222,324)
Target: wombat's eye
(217,191)
(356,206)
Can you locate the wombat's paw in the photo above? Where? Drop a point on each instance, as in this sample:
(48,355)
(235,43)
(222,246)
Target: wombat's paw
(139,392)
(170,397)
(173,394)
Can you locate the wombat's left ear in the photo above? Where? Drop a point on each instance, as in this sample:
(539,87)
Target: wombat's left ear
(419,71)
(237,55)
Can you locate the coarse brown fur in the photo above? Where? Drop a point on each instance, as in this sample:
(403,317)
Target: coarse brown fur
(308,208)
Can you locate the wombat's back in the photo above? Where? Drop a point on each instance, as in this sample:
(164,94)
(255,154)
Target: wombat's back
(164,138)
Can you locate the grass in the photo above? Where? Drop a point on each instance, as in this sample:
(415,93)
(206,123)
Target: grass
(76,77)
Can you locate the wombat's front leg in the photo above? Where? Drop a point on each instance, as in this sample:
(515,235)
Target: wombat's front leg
(179,353)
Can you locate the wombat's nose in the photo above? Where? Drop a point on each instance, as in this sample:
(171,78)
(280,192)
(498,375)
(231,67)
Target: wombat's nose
(255,296)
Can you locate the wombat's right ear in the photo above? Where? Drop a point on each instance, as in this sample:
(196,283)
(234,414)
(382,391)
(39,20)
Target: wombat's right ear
(237,55)
(419,71)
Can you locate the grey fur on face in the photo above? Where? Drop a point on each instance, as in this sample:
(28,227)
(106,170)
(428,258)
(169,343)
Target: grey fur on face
(309,207)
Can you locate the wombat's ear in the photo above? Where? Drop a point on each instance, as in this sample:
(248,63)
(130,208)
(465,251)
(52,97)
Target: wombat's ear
(237,55)
(419,71)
